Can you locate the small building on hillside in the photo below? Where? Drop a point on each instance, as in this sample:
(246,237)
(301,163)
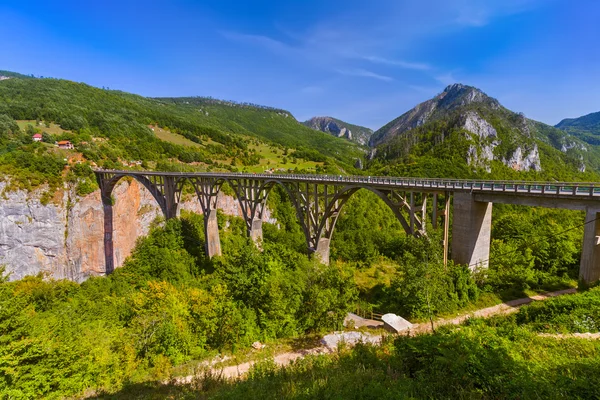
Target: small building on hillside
(37,137)
(64,144)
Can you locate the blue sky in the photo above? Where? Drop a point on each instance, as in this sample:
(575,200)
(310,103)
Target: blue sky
(365,62)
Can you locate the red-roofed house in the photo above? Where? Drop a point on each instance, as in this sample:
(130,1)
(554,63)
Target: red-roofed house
(65,144)
(37,137)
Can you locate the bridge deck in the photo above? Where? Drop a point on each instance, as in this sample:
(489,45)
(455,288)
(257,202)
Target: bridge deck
(580,190)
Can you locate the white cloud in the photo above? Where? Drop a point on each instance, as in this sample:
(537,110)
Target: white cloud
(261,41)
(364,73)
(397,63)
(319,54)
(476,13)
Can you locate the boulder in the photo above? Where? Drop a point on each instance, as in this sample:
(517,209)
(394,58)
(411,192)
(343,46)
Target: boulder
(395,323)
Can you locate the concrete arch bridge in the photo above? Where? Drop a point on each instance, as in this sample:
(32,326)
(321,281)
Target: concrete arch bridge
(318,200)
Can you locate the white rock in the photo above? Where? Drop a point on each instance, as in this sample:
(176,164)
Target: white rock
(332,340)
(395,323)
(257,345)
(529,162)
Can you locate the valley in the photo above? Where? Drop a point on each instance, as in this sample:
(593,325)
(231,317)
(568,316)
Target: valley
(72,327)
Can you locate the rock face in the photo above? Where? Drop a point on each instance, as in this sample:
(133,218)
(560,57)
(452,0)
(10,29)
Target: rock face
(485,135)
(525,160)
(65,238)
(335,127)
(333,340)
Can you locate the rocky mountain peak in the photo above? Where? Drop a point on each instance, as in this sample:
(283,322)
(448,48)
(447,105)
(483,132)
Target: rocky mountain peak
(457,95)
(453,97)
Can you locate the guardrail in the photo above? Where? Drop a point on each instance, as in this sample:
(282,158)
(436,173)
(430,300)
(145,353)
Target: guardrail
(368,314)
(562,189)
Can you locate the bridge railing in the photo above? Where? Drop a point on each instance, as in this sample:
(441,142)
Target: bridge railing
(570,189)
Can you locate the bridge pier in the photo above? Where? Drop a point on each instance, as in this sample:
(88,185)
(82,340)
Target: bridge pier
(255,232)
(211,233)
(322,250)
(589,268)
(109,259)
(252,196)
(172,193)
(471,231)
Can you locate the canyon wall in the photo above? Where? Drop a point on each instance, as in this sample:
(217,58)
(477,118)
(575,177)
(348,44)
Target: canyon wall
(65,238)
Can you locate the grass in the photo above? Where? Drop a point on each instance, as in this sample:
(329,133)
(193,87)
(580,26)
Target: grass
(273,157)
(53,129)
(176,138)
(270,156)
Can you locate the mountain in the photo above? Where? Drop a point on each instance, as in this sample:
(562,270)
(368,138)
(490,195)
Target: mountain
(453,97)
(114,129)
(587,128)
(338,128)
(463,132)
(267,123)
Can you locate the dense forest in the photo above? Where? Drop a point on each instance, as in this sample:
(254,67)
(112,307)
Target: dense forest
(170,305)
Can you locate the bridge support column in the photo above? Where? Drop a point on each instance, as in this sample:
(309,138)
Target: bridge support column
(171,193)
(255,232)
(322,250)
(211,234)
(589,268)
(109,259)
(471,231)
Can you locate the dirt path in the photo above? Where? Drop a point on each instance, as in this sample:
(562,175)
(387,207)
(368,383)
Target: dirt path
(587,335)
(509,307)
(236,371)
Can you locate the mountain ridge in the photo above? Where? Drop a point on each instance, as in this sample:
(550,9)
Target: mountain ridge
(586,127)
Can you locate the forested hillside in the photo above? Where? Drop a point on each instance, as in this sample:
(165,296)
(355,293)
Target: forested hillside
(587,128)
(112,129)
(169,307)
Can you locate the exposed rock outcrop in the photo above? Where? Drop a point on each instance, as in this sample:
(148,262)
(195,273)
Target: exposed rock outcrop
(481,153)
(65,238)
(478,126)
(524,159)
(335,127)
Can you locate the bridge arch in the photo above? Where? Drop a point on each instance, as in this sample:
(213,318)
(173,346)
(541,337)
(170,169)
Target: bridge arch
(165,190)
(318,215)
(159,188)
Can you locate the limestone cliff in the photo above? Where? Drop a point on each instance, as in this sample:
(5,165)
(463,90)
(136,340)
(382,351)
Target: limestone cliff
(64,238)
